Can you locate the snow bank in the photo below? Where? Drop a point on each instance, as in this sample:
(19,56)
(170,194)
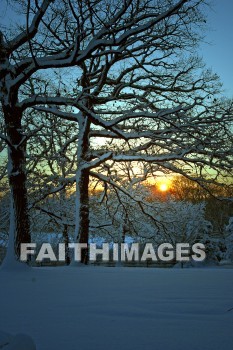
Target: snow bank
(13,265)
(18,342)
(119,308)
(5,339)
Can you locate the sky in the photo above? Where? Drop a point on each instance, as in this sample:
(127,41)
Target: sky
(217,52)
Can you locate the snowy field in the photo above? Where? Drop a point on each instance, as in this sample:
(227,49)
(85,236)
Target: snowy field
(93,308)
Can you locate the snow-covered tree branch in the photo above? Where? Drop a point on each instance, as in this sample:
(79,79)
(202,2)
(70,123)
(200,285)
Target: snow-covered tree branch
(124,71)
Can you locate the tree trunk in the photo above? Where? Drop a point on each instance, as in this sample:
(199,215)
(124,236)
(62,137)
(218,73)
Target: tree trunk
(65,235)
(17,177)
(83,214)
(65,227)
(82,194)
(83,174)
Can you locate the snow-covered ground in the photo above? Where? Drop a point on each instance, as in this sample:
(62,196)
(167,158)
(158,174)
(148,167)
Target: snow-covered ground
(93,308)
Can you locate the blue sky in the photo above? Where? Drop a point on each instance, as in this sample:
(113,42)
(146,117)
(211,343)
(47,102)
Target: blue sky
(218,54)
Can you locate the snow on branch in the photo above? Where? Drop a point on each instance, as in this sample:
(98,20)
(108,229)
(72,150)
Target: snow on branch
(140,202)
(95,163)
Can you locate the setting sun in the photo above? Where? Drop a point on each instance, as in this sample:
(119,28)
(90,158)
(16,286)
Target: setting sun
(163,187)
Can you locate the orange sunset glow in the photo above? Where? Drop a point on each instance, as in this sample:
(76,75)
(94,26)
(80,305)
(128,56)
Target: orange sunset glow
(163,187)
